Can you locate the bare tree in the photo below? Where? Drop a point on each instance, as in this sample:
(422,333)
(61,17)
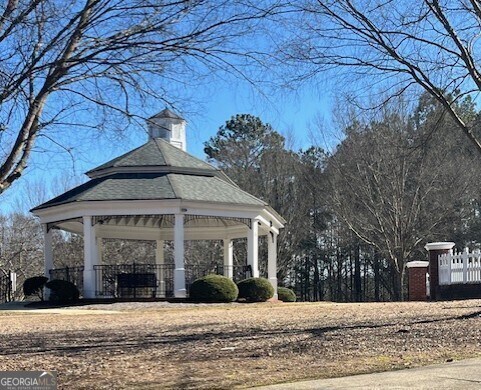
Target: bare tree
(395,193)
(20,246)
(61,62)
(396,45)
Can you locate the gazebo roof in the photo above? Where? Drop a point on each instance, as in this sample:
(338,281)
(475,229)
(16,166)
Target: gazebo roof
(156,171)
(155,153)
(156,186)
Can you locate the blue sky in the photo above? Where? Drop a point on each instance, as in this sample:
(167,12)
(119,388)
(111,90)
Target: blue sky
(293,114)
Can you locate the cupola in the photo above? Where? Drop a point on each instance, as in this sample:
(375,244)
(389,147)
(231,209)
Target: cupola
(168,126)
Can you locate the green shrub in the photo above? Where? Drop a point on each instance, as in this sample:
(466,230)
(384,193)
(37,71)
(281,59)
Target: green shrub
(213,288)
(255,289)
(62,291)
(34,286)
(286,294)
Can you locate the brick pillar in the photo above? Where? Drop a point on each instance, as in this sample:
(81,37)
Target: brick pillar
(435,249)
(417,271)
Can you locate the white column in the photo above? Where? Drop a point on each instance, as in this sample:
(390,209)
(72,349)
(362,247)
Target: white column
(228,258)
(253,248)
(159,260)
(179,271)
(90,257)
(272,260)
(47,249)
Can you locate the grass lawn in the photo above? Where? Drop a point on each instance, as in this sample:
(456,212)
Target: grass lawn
(158,345)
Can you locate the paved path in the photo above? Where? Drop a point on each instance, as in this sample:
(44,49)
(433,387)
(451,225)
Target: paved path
(21,308)
(464,374)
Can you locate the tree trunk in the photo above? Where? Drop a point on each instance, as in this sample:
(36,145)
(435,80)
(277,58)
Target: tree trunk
(316,279)
(357,274)
(377,277)
(397,279)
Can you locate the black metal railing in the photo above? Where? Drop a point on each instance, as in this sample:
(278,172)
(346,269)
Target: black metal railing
(134,280)
(70,274)
(238,272)
(144,280)
(5,287)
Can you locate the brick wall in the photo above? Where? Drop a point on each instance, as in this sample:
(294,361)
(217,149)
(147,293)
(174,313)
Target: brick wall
(417,281)
(435,249)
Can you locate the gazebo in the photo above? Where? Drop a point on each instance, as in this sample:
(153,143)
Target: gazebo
(158,192)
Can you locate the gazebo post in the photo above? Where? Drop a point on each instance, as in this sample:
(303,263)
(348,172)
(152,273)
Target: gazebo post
(159,260)
(272,260)
(253,247)
(228,258)
(90,257)
(47,249)
(179,272)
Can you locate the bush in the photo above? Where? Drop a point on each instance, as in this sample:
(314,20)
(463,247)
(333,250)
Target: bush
(213,288)
(286,294)
(34,286)
(255,289)
(62,291)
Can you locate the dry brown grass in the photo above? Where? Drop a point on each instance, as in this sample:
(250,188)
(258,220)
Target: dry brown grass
(152,346)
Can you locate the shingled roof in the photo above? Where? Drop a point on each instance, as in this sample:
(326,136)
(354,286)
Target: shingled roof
(156,171)
(155,153)
(166,113)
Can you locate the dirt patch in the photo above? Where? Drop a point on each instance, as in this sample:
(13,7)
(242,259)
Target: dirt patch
(154,345)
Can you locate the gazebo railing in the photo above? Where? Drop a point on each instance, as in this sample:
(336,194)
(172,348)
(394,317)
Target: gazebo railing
(70,274)
(134,280)
(238,272)
(144,280)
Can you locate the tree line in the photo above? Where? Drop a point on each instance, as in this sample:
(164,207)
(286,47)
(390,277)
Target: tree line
(356,215)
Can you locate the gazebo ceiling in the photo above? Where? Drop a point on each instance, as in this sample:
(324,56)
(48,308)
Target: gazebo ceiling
(151,227)
(167,221)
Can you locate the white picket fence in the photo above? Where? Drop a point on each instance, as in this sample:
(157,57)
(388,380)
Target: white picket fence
(460,268)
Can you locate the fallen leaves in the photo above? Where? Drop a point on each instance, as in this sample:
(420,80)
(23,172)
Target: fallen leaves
(153,345)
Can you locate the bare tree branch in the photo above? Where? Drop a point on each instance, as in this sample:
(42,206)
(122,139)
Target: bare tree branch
(87,48)
(430,44)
